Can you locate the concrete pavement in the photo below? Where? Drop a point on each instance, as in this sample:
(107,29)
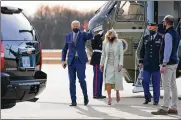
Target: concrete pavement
(54,102)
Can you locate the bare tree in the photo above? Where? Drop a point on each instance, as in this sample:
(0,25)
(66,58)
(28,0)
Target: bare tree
(53,23)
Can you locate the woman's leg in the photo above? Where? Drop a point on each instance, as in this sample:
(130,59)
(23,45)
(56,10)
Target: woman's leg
(108,88)
(117,96)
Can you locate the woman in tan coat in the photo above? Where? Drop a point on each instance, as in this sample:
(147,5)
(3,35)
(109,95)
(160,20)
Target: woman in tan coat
(112,63)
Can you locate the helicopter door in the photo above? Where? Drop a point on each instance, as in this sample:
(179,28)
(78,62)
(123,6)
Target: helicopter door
(129,23)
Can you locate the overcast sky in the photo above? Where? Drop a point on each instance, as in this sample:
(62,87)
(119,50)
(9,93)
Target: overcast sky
(31,6)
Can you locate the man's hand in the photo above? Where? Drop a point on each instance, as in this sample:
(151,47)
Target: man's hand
(120,68)
(86,23)
(64,64)
(101,68)
(140,65)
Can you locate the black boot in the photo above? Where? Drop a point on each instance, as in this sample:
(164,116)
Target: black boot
(147,101)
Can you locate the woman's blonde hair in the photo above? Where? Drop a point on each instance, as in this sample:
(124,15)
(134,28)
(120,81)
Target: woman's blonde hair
(113,32)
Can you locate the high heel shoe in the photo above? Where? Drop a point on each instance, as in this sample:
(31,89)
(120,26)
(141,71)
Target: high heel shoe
(117,97)
(109,101)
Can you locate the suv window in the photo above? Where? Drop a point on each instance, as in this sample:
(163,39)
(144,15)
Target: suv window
(15,27)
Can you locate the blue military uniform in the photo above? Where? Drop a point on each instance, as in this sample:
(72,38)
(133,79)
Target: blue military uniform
(149,56)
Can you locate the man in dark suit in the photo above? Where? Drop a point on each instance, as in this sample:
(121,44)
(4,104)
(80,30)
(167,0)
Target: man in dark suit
(96,44)
(77,58)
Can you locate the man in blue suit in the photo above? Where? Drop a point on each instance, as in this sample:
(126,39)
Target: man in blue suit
(77,58)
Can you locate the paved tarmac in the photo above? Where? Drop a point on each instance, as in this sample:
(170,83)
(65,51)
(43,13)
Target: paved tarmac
(54,102)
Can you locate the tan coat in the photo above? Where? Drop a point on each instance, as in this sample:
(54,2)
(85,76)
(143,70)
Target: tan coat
(118,54)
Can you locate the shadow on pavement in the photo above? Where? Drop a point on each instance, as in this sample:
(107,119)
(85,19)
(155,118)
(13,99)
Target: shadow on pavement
(126,104)
(132,107)
(140,96)
(136,106)
(91,112)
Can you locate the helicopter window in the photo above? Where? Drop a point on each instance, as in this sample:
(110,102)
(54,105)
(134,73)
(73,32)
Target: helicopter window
(131,11)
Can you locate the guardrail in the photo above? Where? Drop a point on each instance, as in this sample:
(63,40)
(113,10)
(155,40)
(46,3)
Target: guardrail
(52,56)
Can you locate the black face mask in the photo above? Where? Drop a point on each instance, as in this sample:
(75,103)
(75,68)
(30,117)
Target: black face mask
(111,39)
(76,30)
(152,32)
(164,27)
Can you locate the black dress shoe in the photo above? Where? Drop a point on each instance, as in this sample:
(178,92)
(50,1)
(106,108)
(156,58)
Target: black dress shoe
(86,101)
(99,97)
(73,104)
(147,101)
(155,103)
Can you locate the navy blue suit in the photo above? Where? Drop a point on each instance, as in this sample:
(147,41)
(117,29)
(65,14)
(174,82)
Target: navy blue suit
(149,55)
(76,64)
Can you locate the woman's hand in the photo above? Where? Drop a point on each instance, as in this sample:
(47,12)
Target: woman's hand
(120,68)
(140,65)
(101,68)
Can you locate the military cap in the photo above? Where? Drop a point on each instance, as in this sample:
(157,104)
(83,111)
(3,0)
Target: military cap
(152,24)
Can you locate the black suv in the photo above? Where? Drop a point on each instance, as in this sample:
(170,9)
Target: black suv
(21,59)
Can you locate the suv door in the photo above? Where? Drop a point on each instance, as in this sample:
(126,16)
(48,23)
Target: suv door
(22,52)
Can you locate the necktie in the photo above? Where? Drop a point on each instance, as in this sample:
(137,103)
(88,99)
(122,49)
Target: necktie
(75,38)
(74,41)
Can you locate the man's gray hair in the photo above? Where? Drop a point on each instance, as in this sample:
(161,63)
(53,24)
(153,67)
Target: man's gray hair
(75,21)
(169,19)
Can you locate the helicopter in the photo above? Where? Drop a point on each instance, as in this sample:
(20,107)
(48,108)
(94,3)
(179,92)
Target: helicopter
(129,19)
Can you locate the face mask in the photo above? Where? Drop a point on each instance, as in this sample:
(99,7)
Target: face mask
(164,27)
(111,39)
(76,30)
(152,32)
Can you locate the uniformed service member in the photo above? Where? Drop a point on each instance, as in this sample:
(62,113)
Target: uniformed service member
(149,60)
(96,44)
